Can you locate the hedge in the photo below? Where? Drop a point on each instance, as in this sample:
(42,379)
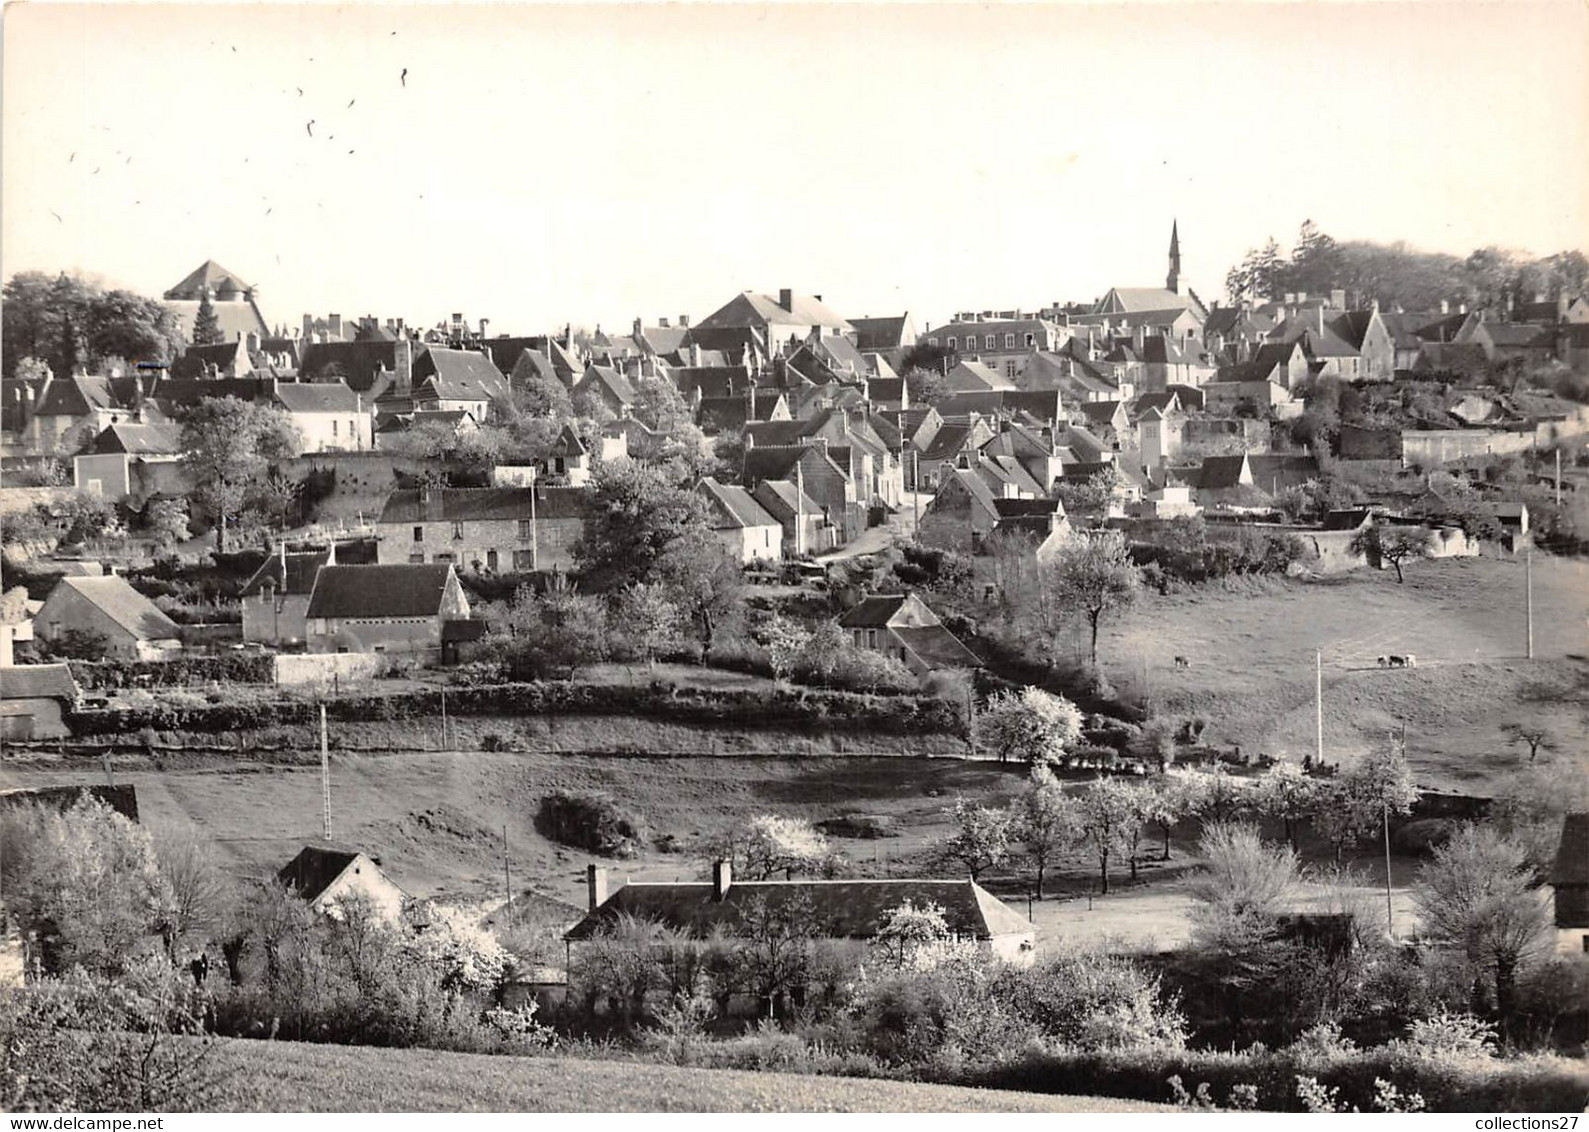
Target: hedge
(236,668)
(1529,1084)
(780,707)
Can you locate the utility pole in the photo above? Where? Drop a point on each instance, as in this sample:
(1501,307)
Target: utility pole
(535,537)
(915,485)
(1528,589)
(1558,477)
(444,719)
(1318,701)
(325,777)
(1390,913)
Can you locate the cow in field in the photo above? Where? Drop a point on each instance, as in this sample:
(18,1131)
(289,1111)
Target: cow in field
(1182,662)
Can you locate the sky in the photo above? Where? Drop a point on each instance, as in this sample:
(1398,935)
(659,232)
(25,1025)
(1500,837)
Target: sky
(594,163)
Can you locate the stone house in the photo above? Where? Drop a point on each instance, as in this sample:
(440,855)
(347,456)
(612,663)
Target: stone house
(805,526)
(1569,883)
(741,524)
(34,700)
(900,626)
(400,608)
(275,600)
(132,460)
(817,476)
(132,627)
(329,416)
(493,529)
(324,878)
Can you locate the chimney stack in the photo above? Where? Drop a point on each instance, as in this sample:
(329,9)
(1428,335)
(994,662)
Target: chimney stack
(722,879)
(596,885)
(684,322)
(786,299)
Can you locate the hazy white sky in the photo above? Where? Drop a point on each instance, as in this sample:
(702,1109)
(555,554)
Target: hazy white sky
(592,163)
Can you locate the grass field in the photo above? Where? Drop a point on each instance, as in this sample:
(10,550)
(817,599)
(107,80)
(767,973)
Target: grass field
(1251,656)
(292,1077)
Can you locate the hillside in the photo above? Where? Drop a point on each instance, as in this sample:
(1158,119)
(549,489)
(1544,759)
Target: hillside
(292,1077)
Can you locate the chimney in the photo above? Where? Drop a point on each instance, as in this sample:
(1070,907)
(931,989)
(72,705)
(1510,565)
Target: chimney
(639,328)
(786,299)
(1320,314)
(1291,297)
(596,885)
(695,354)
(684,322)
(426,497)
(403,361)
(334,325)
(1562,303)
(1445,306)
(484,322)
(722,879)
(663,322)
(331,553)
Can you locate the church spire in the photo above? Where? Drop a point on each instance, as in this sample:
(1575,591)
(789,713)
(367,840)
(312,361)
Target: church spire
(1173,280)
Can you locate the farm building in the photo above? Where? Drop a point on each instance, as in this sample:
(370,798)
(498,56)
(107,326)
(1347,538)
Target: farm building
(108,607)
(902,627)
(34,700)
(398,608)
(326,877)
(1569,881)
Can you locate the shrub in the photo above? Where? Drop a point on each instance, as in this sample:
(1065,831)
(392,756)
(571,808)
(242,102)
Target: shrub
(590,820)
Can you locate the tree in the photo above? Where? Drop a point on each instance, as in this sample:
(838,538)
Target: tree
(1046,822)
(1181,794)
(167,523)
(206,326)
(228,447)
(1030,725)
(124,325)
(647,620)
(1237,900)
(1096,576)
(1287,793)
(908,931)
(86,883)
(1478,894)
(926,386)
(778,945)
(785,642)
(1316,263)
(1533,735)
(1393,544)
(1358,802)
(1109,815)
(1093,495)
(637,516)
(203,898)
(767,845)
(981,838)
(705,581)
(1154,742)
(539,394)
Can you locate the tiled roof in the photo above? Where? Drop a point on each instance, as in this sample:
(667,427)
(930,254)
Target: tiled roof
(1220,472)
(732,505)
(314,870)
(776,433)
(125,606)
(38,682)
(750,309)
(156,439)
(300,573)
(783,500)
(838,909)
(197,360)
(1518,334)
(460,375)
(359,362)
(937,647)
(618,387)
(873,611)
(948,440)
(880,333)
(397,590)
(317,397)
(466,504)
(1572,855)
(1100,412)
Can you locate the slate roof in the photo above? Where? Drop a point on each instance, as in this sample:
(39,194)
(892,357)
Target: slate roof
(948,440)
(466,504)
(314,870)
(532,363)
(873,611)
(840,909)
(38,682)
(974,376)
(712,381)
(317,397)
(128,608)
(1346,519)
(732,506)
(156,439)
(234,317)
(208,275)
(784,500)
(936,646)
(1100,412)
(1164,402)
(405,589)
(880,333)
(197,360)
(360,361)
(1518,335)
(750,309)
(619,387)
(78,395)
(1572,854)
(1464,358)
(300,573)
(886,389)
(1219,473)
(460,375)
(1133,299)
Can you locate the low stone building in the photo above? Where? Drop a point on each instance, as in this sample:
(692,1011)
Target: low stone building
(34,701)
(130,625)
(491,529)
(900,626)
(327,878)
(275,600)
(395,608)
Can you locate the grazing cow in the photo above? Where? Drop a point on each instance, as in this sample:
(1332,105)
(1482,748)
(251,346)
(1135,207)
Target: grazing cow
(1383,662)
(1412,661)
(1398,662)
(1182,662)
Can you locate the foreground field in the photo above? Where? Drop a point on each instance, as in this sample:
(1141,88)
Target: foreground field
(292,1077)
(1251,656)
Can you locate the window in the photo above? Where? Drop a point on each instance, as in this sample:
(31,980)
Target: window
(491,561)
(1009,369)
(445,558)
(988,342)
(526,530)
(417,558)
(419,534)
(951,341)
(932,340)
(523,560)
(871,638)
(1031,340)
(1009,341)
(334,426)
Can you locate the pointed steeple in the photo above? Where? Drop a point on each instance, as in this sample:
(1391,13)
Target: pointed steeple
(1173,280)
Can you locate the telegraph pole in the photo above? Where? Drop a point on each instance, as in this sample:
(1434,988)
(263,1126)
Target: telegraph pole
(325,776)
(1528,590)
(1318,701)
(1558,477)
(444,719)
(507,875)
